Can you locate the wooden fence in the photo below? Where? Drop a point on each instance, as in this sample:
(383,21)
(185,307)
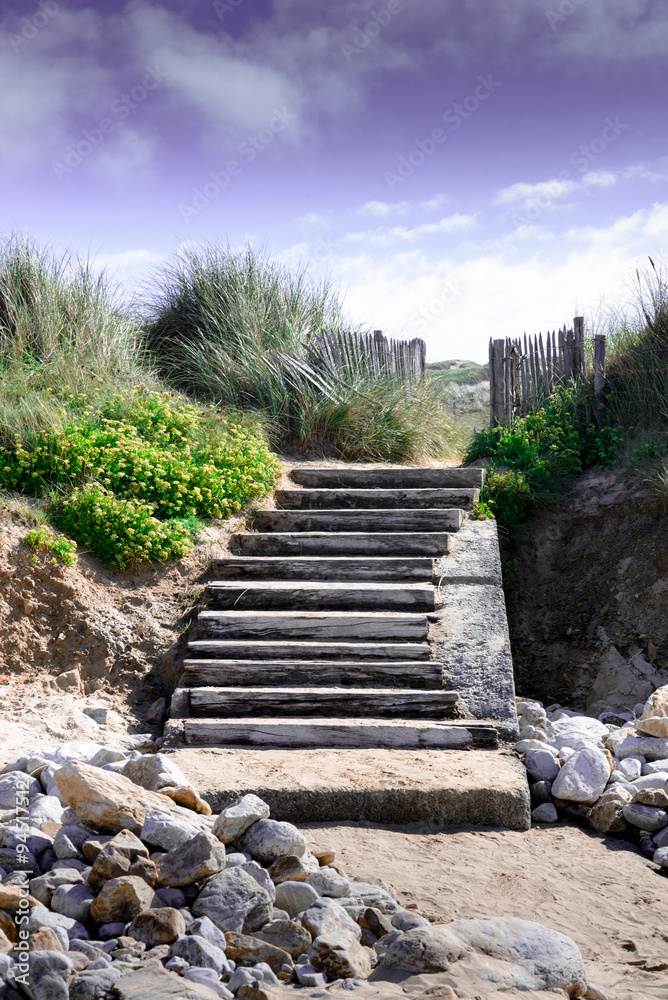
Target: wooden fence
(525,371)
(348,353)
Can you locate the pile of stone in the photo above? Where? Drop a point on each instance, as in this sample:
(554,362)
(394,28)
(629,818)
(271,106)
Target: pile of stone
(118,882)
(611,772)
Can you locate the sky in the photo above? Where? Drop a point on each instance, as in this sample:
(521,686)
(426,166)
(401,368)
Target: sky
(463,169)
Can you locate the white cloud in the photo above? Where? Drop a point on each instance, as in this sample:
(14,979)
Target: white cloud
(385,236)
(600,178)
(456,302)
(384,208)
(123,156)
(522,194)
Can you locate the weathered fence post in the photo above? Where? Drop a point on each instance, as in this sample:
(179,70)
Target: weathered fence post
(599,365)
(497,408)
(579,355)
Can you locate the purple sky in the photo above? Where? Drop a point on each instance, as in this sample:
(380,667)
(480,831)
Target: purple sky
(467,168)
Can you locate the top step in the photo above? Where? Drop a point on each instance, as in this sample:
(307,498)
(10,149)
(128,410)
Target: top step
(399,477)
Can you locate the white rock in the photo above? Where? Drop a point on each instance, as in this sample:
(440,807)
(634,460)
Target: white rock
(654,767)
(631,767)
(525,745)
(532,733)
(565,753)
(545,813)
(661,857)
(266,840)
(154,771)
(328,882)
(260,874)
(623,744)
(583,777)
(575,739)
(649,818)
(295,897)
(166,831)
(235,819)
(657,780)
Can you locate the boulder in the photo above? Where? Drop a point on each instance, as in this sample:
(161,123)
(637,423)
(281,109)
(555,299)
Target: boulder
(606,815)
(186,796)
(327,917)
(627,743)
(541,765)
(267,839)
(157,926)
(657,704)
(249,949)
(425,949)
(73,901)
(154,771)
(328,882)
(653,726)
(648,818)
(293,897)
(341,956)
(115,858)
(93,983)
(234,820)
(286,935)
(199,952)
(121,899)
(205,928)
(16,786)
(69,841)
(582,777)
(234,902)
(198,858)
(289,868)
(167,831)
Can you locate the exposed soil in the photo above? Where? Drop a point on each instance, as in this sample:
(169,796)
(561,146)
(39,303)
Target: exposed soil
(589,592)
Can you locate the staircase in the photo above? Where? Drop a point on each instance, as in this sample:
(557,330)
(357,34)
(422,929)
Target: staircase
(317,631)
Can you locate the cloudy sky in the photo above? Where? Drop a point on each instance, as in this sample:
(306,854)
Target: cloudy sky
(465,168)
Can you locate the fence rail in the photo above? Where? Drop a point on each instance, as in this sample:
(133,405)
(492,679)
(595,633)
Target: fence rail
(349,353)
(525,371)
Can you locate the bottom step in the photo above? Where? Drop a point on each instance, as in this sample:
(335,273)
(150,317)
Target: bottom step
(341,733)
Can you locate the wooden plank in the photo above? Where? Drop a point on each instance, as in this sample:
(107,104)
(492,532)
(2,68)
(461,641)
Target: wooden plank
(259,649)
(544,372)
(330,703)
(599,365)
(347,499)
(396,477)
(324,568)
(419,543)
(301,673)
(433,519)
(312,625)
(342,733)
(321,595)
(578,330)
(498,402)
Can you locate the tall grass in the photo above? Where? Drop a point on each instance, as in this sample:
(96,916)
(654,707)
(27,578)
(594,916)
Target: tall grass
(220,320)
(637,362)
(64,338)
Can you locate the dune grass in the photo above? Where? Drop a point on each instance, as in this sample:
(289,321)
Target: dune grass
(217,327)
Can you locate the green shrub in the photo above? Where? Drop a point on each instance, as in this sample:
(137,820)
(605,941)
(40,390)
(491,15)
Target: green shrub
(530,463)
(121,532)
(43,540)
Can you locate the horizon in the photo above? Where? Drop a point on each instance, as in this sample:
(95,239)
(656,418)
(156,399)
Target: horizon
(465,173)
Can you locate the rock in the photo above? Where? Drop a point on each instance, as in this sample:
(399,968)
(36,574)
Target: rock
(48,939)
(647,818)
(261,876)
(286,935)
(172,897)
(660,857)
(154,771)
(326,917)
(606,815)
(45,809)
(243,947)
(48,975)
(69,680)
(626,743)
(631,767)
(540,792)
(407,920)
(116,858)
(552,960)
(107,755)
(308,976)
(583,777)
(121,899)
(341,956)
(234,902)
(92,847)
(198,858)
(652,797)
(93,983)
(157,926)
(166,831)
(328,882)
(155,982)
(653,727)
(205,928)
(73,901)
(541,765)
(375,921)
(110,802)
(324,855)
(207,978)
(437,993)
(234,820)
(654,767)
(295,897)
(266,840)
(199,952)
(621,682)
(11,896)
(289,868)
(186,796)
(545,813)
(158,711)
(69,840)
(146,869)
(656,704)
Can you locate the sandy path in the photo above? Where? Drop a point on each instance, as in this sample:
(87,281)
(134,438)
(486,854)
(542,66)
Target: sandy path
(611,900)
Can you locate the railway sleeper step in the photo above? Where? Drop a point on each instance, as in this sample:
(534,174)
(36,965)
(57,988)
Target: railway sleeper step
(331,702)
(346,596)
(342,543)
(313,625)
(418,674)
(397,477)
(356,499)
(241,649)
(371,520)
(341,568)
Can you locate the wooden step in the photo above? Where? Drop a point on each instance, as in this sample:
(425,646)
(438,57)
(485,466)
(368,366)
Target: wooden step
(331,703)
(398,477)
(353,543)
(316,596)
(373,651)
(432,519)
(340,733)
(359,499)
(299,673)
(313,625)
(324,568)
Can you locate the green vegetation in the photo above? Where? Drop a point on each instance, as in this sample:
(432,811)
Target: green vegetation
(43,540)
(125,467)
(530,463)
(220,327)
(464,372)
